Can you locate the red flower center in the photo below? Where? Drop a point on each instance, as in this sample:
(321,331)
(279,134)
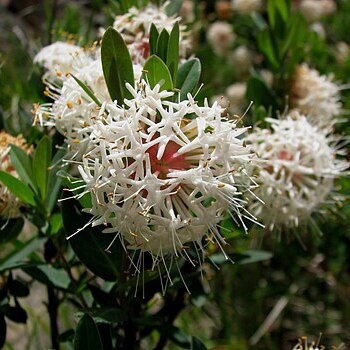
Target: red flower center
(171,159)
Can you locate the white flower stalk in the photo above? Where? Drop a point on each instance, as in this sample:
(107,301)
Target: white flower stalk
(162,174)
(315,96)
(60,59)
(313,10)
(9,204)
(246,7)
(296,171)
(304,344)
(221,37)
(135,27)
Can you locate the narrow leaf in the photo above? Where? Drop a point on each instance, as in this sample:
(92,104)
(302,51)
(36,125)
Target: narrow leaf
(90,243)
(156,72)
(18,257)
(86,335)
(153,38)
(18,188)
(23,165)
(116,64)
(41,163)
(188,77)
(172,60)
(162,44)
(87,90)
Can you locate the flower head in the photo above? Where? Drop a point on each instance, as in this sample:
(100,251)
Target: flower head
(315,9)
(9,204)
(164,173)
(221,37)
(296,172)
(61,58)
(135,27)
(246,7)
(315,96)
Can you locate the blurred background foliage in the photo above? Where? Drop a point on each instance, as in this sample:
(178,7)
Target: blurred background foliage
(304,288)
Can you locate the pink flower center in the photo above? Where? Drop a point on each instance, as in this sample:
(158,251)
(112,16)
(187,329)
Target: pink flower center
(171,159)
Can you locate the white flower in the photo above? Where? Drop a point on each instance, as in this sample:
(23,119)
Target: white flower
(221,37)
(313,10)
(73,110)
(246,7)
(163,173)
(342,52)
(241,59)
(319,29)
(9,204)
(60,59)
(296,171)
(135,27)
(315,96)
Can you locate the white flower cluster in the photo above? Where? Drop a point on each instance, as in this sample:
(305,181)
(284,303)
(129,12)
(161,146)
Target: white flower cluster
(221,37)
(164,173)
(9,204)
(135,27)
(246,7)
(315,96)
(61,58)
(315,9)
(298,166)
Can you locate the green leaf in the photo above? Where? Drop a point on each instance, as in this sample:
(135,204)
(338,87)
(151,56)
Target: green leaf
(173,7)
(188,77)
(162,44)
(86,335)
(153,38)
(267,48)
(23,165)
(87,90)
(116,64)
(41,163)
(259,93)
(104,314)
(246,257)
(172,59)
(17,258)
(197,344)
(18,289)
(156,72)
(2,330)
(10,229)
(49,275)
(275,9)
(18,188)
(90,243)
(55,181)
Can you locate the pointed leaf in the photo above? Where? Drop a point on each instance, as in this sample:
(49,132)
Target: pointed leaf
(18,188)
(173,7)
(116,64)
(90,243)
(162,44)
(23,165)
(188,77)
(153,38)
(156,72)
(10,230)
(41,163)
(172,60)
(86,335)
(18,257)
(87,90)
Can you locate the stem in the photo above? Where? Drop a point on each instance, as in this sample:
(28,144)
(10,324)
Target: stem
(52,308)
